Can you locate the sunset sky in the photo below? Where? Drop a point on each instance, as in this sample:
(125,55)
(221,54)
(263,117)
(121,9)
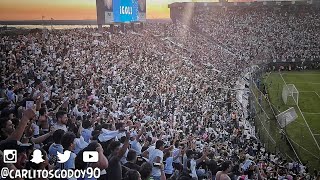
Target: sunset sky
(72,9)
(69,9)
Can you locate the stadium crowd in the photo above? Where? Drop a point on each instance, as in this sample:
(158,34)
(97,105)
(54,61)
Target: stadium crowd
(289,33)
(154,104)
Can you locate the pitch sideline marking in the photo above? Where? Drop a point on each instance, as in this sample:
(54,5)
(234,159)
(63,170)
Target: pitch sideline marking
(316,93)
(309,113)
(301,74)
(304,82)
(299,91)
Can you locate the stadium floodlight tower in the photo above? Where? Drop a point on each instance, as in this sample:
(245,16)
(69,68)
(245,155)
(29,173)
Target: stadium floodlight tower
(290,90)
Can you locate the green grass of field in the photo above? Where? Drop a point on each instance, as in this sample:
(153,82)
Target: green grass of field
(305,131)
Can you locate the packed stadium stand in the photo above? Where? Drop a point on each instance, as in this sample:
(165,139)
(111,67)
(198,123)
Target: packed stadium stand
(167,94)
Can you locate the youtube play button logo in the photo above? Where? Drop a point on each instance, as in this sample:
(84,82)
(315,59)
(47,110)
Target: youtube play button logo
(90,156)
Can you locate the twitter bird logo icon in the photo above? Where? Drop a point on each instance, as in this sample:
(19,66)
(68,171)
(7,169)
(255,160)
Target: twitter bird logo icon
(64,157)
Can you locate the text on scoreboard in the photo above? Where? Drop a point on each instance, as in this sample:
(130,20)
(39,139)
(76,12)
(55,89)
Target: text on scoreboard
(124,10)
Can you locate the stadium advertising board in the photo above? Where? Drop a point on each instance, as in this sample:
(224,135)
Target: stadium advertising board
(120,11)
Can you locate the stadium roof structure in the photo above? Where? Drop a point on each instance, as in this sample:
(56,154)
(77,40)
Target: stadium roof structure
(254,3)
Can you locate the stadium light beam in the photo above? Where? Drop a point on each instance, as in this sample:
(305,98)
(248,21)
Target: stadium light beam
(187,17)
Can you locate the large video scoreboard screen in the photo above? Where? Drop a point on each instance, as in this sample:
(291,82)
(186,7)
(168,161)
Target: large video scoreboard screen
(120,11)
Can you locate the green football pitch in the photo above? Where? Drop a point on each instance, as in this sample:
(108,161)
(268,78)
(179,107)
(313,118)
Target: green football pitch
(304,132)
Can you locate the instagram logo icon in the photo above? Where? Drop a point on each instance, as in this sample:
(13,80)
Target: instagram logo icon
(10,156)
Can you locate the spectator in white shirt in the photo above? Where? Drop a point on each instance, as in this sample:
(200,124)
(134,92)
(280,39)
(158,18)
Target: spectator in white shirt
(62,120)
(156,159)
